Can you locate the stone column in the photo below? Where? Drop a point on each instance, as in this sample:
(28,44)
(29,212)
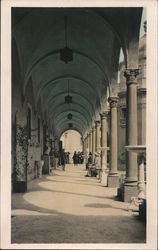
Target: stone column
(141,94)
(97,136)
(141,179)
(90,141)
(83,144)
(130,187)
(86,148)
(98,145)
(113,178)
(87,143)
(93,144)
(104,148)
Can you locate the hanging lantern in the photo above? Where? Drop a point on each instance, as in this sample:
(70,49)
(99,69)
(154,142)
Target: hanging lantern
(69,116)
(70,125)
(66,54)
(68,99)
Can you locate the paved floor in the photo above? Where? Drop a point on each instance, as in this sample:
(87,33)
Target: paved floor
(68,207)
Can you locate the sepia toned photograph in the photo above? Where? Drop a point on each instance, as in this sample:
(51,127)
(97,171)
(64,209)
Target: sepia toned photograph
(79,167)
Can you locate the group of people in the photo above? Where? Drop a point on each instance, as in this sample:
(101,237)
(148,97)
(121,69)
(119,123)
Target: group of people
(64,158)
(78,158)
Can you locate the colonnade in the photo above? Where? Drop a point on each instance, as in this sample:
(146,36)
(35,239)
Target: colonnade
(96,139)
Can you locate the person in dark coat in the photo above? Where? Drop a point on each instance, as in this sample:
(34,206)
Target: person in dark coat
(63,160)
(75,158)
(90,158)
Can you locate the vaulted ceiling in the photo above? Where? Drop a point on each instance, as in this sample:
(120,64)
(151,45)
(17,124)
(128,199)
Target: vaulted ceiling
(94,36)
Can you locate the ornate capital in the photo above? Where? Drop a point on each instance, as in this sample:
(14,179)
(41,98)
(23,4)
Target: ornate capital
(104,114)
(97,123)
(131,75)
(93,129)
(113,101)
(90,131)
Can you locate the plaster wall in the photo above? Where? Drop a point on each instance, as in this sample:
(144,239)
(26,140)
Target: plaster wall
(19,116)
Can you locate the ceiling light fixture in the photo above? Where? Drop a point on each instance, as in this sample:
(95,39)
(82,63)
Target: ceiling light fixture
(66,54)
(70,125)
(69,116)
(68,98)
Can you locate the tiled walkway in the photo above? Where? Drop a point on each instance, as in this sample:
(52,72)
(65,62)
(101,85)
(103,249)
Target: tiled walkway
(68,207)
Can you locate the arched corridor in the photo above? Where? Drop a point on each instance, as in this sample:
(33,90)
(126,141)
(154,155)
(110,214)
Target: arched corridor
(70,207)
(80,70)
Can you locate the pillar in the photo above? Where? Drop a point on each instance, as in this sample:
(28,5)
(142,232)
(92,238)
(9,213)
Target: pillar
(87,144)
(85,149)
(86,153)
(141,94)
(113,178)
(90,141)
(130,187)
(83,144)
(97,146)
(141,179)
(97,136)
(93,144)
(104,170)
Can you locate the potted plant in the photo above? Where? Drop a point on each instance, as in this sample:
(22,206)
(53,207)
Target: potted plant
(21,164)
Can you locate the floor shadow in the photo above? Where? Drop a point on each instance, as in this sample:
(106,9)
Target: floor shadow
(84,184)
(76,229)
(70,176)
(97,205)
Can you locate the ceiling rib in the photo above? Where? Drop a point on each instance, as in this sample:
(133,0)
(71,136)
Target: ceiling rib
(52,53)
(70,93)
(63,77)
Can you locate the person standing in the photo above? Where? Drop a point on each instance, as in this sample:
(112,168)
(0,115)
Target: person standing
(63,160)
(75,158)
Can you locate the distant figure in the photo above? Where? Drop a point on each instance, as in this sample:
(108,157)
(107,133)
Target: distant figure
(89,161)
(90,158)
(63,160)
(68,157)
(75,158)
(81,158)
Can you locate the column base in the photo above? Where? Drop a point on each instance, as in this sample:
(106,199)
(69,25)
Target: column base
(99,174)
(103,178)
(46,166)
(128,191)
(113,181)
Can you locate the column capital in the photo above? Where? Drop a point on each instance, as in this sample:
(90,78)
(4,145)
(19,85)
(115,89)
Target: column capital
(97,123)
(104,114)
(90,131)
(93,128)
(131,75)
(113,100)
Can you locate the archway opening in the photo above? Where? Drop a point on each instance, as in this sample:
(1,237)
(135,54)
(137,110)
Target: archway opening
(71,142)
